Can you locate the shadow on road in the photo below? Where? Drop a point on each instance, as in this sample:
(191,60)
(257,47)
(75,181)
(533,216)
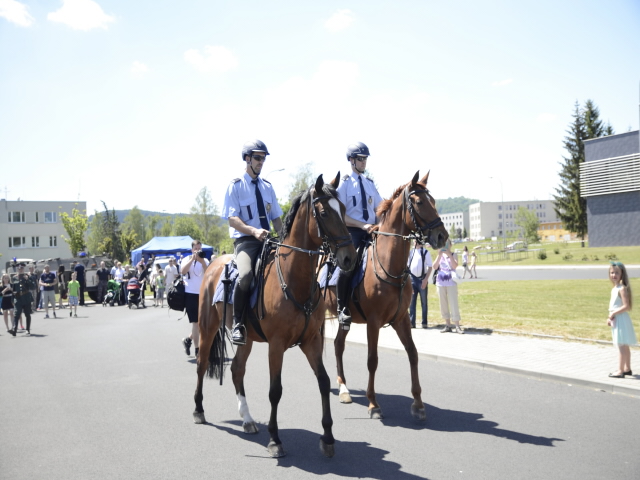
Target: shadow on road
(396,410)
(304,453)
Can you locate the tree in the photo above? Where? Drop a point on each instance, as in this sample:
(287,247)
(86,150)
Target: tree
(129,242)
(529,223)
(205,214)
(570,206)
(187,226)
(134,223)
(112,243)
(95,235)
(167,227)
(76,225)
(302,180)
(453,233)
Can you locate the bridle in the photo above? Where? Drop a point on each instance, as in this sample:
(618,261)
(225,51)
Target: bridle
(417,233)
(327,253)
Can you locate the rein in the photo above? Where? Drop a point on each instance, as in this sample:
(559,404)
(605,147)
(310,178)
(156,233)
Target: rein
(326,255)
(417,234)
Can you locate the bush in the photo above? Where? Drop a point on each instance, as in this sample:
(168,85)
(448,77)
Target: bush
(556,250)
(611,256)
(542,255)
(585,258)
(567,256)
(595,258)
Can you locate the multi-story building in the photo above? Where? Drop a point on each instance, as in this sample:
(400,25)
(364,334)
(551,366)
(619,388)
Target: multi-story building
(34,229)
(555,232)
(459,220)
(497,219)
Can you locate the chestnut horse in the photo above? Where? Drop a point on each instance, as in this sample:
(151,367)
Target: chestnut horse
(291,312)
(385,292)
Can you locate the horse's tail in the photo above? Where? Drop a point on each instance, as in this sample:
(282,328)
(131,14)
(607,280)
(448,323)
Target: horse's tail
(217,356)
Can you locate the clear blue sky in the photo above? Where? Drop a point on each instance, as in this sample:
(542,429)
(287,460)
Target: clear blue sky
(146,102)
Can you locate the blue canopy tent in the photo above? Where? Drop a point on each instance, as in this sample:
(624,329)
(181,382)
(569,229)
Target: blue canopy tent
(167,246)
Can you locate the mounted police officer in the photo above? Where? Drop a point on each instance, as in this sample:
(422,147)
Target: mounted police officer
(250,203)
(21,284)
(361,199)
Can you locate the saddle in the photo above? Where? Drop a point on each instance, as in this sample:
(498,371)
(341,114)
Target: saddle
(256,290)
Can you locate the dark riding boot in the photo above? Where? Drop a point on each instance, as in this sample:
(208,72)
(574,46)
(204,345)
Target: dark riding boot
(342,290)
(239,332)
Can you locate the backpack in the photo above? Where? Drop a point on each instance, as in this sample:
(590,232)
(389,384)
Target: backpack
(175,295)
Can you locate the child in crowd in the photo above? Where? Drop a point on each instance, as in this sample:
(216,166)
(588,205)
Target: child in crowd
(472,269)
(160,285)
(619,319)
(7,301)
(74,292)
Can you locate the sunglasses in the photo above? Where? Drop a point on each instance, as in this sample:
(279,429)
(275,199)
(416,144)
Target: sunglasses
(259,158)
(616,264)
(362,159)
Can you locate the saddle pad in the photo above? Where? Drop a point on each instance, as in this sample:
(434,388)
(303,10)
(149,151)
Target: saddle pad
(218,296)
(333,280)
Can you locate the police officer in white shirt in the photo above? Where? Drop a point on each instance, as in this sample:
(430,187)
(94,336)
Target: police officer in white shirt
(249,205)
(361,199)
(420,266)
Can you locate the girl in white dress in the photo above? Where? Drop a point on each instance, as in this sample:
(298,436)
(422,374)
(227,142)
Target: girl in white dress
(619,320)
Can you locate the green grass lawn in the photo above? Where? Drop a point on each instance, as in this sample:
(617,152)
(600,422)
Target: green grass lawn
(568,254)
(567,308)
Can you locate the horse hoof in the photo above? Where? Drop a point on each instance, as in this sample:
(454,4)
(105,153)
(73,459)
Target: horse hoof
(198,418)
(328,450)
(419,413)
(250,427)
(275,450)
(345,397)
(376,413)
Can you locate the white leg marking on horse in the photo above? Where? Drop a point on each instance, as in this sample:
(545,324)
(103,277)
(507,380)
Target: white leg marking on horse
(343,388)
(243,409)
(335,205)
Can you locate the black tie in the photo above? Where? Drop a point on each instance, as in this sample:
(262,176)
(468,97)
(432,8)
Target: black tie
(365,213)
(263,214)
(422,255)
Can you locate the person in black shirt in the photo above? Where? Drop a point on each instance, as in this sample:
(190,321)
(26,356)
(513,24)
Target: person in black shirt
(79,269)
(103,275)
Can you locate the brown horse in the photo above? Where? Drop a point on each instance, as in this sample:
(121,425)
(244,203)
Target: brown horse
(384,294)
(291,311)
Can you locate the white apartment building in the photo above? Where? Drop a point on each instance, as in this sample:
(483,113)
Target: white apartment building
(491,219)
(34,229)
(458,219)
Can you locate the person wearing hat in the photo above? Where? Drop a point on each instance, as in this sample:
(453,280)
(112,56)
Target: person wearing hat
(250,204)
(360,196)
(21,284)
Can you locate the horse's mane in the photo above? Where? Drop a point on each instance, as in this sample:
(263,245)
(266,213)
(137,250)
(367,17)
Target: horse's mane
(385,205)
(302,197)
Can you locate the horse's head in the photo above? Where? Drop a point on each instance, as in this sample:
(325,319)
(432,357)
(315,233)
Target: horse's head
(329,216)
(421,215)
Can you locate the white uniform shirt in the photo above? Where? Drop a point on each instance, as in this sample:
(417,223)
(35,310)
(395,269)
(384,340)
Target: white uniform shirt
(240,201)
(350,194)
(170,274)
(416,265)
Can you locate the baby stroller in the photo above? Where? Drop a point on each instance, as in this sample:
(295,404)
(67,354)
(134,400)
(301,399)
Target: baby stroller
(113,293)
(133,287)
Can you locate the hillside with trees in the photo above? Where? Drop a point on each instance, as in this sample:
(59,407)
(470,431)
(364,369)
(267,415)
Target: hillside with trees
(455,204)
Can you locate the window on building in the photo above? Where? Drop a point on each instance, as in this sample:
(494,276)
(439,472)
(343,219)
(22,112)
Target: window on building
(16,217)
(499,216)
(35,242)
(53,241)
(50,217)
(17,242)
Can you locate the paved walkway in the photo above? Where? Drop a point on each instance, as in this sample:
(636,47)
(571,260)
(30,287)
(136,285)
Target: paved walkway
(575,363)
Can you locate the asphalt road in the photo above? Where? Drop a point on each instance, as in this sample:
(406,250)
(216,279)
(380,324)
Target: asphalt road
(545,273)
(110,395)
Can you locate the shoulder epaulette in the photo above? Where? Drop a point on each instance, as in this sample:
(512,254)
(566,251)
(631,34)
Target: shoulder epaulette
(266,181)
(235,180)
(368,179)
(345,178)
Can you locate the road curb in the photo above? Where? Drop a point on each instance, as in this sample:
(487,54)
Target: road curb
(542,376)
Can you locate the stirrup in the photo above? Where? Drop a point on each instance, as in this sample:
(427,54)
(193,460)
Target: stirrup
(344,318)
(238,335)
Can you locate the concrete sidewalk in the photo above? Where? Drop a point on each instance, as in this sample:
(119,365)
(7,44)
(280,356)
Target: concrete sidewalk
(575,363)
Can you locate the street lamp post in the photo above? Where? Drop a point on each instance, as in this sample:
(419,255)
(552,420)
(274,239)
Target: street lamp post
(504,223)
(273,171)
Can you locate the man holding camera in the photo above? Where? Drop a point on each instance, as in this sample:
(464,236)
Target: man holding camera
(249,205)
(192,269)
